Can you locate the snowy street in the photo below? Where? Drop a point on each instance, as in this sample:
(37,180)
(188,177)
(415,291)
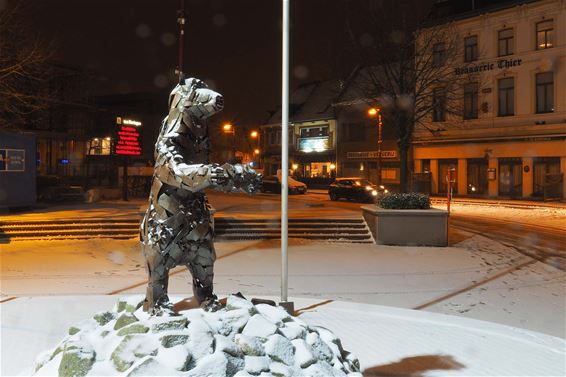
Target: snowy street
(489,272)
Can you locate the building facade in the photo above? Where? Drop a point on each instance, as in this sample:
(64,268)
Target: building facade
(510,139)
(312,133)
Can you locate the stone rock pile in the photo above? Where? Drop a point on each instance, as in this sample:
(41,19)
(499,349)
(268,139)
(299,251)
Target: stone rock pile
(241,339)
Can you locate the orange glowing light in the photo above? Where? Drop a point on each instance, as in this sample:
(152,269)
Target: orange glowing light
(254,134)
(373,111)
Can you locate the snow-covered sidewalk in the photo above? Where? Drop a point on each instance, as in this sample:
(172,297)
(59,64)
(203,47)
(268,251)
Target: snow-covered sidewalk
(478,278)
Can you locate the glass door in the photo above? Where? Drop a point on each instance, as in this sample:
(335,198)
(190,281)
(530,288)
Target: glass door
(511,177)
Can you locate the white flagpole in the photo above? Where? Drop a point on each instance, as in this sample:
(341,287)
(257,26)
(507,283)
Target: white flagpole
(285,152)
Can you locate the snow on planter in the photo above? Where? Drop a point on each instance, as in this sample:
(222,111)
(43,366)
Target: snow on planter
(239,340)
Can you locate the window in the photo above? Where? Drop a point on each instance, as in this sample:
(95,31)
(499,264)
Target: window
(506,89)
(443,167)
(477,176)
(438,54)
(471,101)
(314,131)
(275,137)
(505,42)
(546,171)
(545,34)
(439,105)
(471,48)
(545,92)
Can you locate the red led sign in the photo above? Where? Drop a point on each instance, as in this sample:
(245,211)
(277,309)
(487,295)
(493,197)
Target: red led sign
(128,141)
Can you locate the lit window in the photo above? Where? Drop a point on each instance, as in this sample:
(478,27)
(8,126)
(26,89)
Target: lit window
(545,92)
(505,42)
(545,34)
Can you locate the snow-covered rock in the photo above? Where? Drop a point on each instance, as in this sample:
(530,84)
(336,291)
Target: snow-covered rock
(241,339)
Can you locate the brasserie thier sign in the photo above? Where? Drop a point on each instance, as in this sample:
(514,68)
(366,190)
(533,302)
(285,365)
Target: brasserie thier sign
(500,64)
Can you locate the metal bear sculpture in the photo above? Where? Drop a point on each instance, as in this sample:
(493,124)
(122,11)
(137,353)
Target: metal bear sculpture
(177,228)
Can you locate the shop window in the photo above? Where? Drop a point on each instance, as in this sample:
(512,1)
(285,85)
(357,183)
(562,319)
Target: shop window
(471,101)
(439,105)
(389,174)
(471,52)
(544,170)
(505,40)
(545,92)
(506,91)
(545,34)
(477,176)
(425,166)
(100,146)
(438,54)
(443,166)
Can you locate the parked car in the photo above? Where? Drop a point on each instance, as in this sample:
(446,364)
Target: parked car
(273,184)
(359,189)
(51,188)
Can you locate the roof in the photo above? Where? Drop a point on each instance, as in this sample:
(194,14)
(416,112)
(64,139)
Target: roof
(447,10)
(310,102)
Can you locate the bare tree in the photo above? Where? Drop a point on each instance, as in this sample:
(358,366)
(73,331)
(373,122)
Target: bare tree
(409,70)
(23,68)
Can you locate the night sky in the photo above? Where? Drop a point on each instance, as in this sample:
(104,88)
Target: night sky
(234,45)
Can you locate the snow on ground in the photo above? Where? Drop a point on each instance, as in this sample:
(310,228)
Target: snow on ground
(241,339)
(531,297)
(541,216)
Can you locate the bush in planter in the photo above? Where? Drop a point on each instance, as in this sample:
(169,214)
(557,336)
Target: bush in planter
(411,200)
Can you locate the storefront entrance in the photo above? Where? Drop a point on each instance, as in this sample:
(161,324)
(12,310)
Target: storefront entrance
(547,179)
(511,177)
(443,166)
(318,170)
(477,176)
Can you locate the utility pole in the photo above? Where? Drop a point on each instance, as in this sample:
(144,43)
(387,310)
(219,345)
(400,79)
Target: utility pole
(181,21)
(285,162)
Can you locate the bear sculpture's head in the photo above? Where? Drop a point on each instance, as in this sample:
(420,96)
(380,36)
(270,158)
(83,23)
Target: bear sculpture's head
(193,96)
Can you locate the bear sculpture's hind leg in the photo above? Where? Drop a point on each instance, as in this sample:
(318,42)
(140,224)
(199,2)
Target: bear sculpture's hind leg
(158,280)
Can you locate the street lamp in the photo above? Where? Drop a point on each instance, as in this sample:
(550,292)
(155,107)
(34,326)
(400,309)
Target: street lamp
(376,111)
(256,135)
(227,128)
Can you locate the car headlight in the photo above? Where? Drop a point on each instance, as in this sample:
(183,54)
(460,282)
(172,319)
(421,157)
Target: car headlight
(382,187)
(374,193)
(369,188)
(386,191)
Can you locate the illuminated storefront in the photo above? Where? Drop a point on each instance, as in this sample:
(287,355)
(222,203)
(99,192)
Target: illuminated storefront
(510,140)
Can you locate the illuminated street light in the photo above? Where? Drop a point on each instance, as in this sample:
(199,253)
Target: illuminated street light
(228,128)
(254,134)
(294,166)
(376,111)
(332,166)
(256,151)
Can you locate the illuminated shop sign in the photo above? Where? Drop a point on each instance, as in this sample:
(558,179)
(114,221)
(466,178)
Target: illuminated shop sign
(12,160)
(314,144)
(372,154)
(128,141)
(489,66)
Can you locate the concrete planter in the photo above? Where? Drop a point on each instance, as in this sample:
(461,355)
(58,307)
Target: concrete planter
(407,227)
